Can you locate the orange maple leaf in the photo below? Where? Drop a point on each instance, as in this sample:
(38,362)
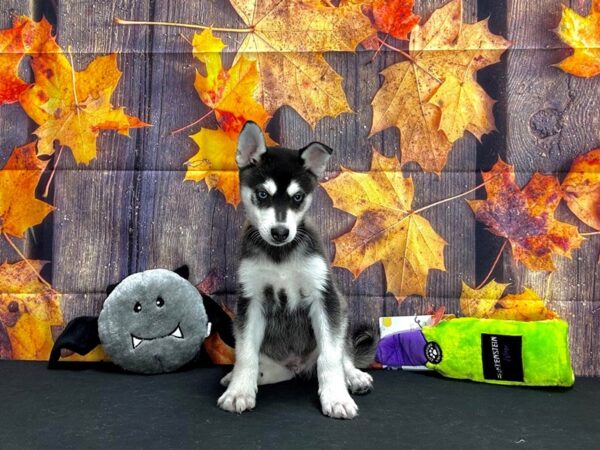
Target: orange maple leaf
(437,314)
(386,228)
(73,107)
(28,310)
(11,53)
(485,303)
(25,37)
(434,97)
(218,351)
(581,188)
(211,282)
(230,93)
(526,217)
(394,17)
(583,35)
(19,209)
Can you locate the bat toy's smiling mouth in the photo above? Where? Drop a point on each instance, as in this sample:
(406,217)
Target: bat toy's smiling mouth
(176,333)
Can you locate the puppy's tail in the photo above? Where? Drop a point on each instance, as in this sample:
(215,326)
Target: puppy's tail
(363,341)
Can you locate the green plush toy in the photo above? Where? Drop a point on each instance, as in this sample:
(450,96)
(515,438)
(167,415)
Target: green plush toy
(486,350)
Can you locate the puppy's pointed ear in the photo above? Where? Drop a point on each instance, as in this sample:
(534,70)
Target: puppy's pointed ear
(183,271)
(316,156)
(250,146)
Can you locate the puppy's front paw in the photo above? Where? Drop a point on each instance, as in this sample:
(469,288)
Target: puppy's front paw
(237,400)
(359,382)
(338,405)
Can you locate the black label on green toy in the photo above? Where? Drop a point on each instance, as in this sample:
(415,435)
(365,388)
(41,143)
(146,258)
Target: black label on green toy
(501,357)
(433,353)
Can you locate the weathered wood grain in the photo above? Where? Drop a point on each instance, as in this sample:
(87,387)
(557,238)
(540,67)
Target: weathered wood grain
(14,124)
(493,80)
(454,220)
(182,222)
(348,136)
(551,118)
(96,204)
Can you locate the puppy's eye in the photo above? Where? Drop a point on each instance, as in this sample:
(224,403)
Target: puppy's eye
(298,197)
(262,195)
(137,307)
(160,302)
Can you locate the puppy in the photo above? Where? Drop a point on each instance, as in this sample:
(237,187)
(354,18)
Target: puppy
(290,318)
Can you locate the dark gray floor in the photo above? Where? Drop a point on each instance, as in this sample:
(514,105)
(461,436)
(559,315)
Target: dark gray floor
(97,409)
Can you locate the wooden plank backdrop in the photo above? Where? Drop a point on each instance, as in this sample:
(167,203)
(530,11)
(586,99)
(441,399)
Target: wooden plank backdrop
(97,205)
(348,136)
(201,230)
(551,117)
(130,209)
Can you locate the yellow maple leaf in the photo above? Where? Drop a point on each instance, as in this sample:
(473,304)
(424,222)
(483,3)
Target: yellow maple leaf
(73,107)
(464,106)
(97,354)
(480,302)
(207,48)
(19,209)
(386,229)
(433,98)
(583,35)
(287,40)
(215,163)
(581,188)
(28,310)
(485,303)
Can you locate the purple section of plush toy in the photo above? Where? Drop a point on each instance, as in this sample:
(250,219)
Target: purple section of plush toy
(402,349)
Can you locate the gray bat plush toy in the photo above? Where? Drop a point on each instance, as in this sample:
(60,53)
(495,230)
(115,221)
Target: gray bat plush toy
(151,322)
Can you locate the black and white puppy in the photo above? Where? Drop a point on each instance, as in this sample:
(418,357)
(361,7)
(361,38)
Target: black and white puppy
(290,318)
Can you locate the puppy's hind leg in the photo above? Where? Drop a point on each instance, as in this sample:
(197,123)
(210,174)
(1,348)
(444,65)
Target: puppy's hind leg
(360,350)
(358,382)
(226,379)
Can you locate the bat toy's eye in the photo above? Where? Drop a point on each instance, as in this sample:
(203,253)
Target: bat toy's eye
(137,307)
(160,302)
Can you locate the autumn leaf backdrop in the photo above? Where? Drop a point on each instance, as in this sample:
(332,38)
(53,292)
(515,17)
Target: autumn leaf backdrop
(453,128)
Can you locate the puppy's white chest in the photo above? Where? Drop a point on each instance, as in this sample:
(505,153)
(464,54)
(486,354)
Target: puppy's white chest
(300,279)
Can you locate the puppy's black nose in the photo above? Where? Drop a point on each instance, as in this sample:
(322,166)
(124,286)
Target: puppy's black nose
(279,233)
